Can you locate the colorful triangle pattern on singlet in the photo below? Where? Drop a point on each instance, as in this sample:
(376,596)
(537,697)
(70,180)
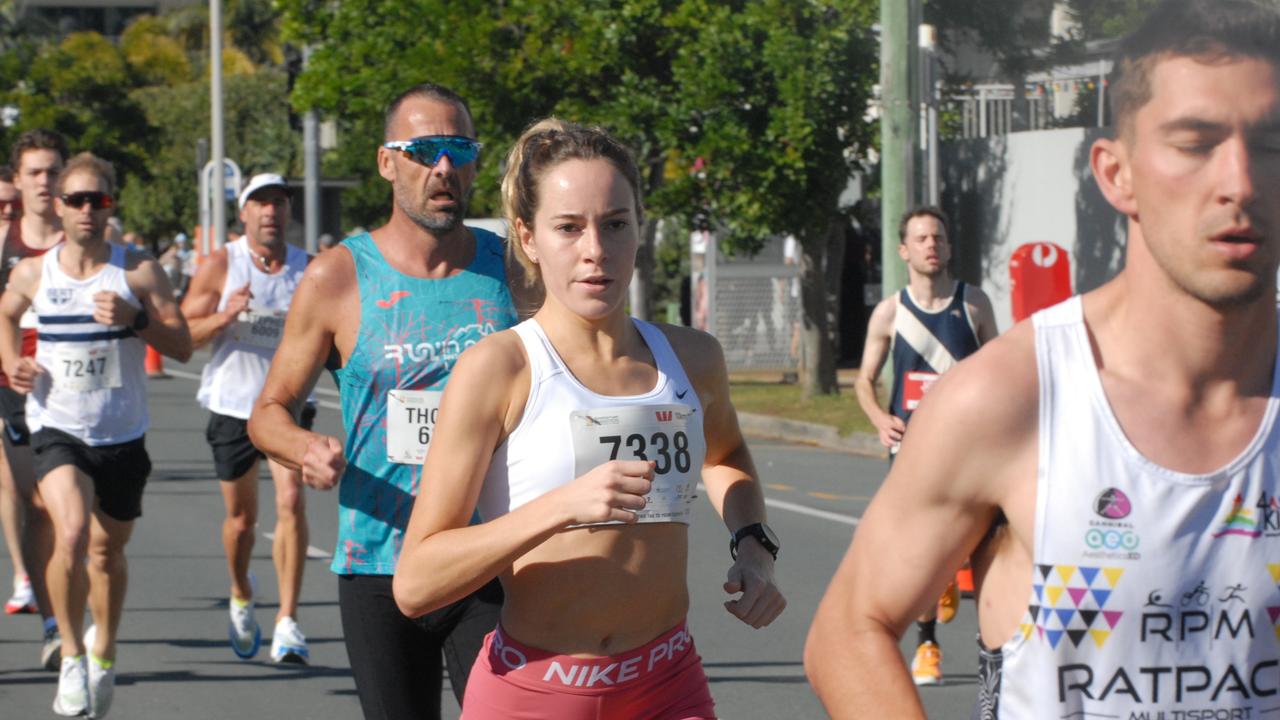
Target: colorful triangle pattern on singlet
(1070,602)
(1273,611)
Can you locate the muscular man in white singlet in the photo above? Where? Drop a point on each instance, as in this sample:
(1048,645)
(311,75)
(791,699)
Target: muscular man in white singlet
(1118,472)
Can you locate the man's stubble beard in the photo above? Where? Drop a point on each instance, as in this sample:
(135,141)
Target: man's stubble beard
(435,223)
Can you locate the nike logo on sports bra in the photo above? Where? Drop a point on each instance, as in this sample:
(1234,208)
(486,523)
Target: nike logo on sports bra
(389,303)
(681,393)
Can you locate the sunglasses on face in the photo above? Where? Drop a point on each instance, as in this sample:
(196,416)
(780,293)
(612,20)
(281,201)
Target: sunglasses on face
(428,149)
(97,200)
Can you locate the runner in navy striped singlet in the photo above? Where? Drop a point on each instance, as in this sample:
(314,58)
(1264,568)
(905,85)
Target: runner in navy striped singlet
(930,325)
(97,307)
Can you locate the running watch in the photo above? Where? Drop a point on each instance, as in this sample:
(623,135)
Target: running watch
(762,533)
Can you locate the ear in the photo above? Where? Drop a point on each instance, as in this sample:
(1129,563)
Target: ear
(387,164)
(525,235)
(902,251)
(1109,159)
(242,220)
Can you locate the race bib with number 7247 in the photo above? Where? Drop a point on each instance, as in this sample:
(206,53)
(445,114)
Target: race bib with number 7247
(82,368)
(661,433)
(411,421)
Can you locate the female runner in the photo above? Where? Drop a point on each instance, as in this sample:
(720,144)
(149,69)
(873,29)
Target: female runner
(580,436)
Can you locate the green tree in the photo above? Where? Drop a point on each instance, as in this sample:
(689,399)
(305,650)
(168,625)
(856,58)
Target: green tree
(771,93)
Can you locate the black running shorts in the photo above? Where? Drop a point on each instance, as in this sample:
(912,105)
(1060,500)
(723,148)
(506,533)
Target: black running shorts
(119,472)
(13,410)
(233,452)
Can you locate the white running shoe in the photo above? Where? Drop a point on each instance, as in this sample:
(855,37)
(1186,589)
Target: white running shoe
(288,644)
(102,686)
(73,688)
(244,631)
(51,649)
(24,598)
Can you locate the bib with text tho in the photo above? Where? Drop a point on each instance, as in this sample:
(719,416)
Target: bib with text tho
(411,421)
(642,432)
(915,385)
(84,368)
(259,328)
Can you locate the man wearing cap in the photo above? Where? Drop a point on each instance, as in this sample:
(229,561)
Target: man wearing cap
(236,304)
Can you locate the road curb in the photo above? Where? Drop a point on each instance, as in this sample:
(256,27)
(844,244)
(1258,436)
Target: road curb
(825,436)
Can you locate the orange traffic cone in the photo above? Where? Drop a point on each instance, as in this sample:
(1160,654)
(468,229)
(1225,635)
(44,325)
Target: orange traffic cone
(964,580)
(154,364)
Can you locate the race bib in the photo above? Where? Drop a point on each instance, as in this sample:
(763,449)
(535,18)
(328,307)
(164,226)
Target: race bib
(643,432)
(259,328)
(84,368)
(411,421)
(914,386)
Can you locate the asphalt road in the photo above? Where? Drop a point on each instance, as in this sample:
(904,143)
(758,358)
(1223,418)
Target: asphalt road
(174,659)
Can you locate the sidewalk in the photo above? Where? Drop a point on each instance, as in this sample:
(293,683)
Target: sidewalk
(757,425)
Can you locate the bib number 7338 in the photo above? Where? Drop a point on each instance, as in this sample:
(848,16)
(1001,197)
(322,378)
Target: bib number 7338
(668,450)
(667,435)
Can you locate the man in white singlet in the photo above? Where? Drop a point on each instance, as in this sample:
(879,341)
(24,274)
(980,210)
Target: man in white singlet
(237,304)
(97,306)
(1117,474)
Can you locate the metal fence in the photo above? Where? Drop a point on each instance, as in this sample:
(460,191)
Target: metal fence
(752,305)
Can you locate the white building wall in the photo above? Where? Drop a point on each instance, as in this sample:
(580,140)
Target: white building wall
(1022,188)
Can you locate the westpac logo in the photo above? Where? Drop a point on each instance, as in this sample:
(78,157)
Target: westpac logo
(662,415)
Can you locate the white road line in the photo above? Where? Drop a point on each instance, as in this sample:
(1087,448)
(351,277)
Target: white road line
(804,510)
(323,391)
(770,502)
(313,552)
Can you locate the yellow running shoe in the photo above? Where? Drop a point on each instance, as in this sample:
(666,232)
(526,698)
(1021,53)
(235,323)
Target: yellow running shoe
(926,668)
(949,603)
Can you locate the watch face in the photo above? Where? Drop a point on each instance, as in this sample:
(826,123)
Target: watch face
(768,533)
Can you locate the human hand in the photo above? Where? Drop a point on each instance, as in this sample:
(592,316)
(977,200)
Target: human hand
(323,462)
(613,491)
(761,601)
(111,309)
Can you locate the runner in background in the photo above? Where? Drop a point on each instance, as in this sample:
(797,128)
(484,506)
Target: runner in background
(37,157)
(237,304)
(96,304)
(398,305)
(929,326)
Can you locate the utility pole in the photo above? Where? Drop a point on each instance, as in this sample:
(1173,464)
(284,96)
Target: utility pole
(898,22)
(219,189)
(311,164)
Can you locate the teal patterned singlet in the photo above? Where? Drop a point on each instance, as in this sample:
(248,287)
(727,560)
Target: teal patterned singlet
(412,331)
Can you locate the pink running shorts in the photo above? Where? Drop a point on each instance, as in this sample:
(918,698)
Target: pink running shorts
(662,680)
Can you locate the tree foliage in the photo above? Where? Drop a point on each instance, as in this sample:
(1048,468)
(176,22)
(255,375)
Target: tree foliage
(143,102)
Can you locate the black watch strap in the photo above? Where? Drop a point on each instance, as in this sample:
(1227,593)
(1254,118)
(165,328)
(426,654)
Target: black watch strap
(141,320)
(762,533)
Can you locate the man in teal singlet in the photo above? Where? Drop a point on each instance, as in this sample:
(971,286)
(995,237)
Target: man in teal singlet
(399,305)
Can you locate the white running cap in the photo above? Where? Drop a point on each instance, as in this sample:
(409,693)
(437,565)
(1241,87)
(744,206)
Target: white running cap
(260,181)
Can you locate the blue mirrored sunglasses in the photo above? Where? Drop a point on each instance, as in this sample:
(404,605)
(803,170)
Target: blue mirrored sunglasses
(428,149)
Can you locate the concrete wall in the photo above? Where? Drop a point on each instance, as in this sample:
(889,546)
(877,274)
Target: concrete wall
(1028,187)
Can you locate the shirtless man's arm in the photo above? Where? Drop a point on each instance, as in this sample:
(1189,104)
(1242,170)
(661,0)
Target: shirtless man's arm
(733,486)
(325,313)
(200,305)
(874,354)
(936,506)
